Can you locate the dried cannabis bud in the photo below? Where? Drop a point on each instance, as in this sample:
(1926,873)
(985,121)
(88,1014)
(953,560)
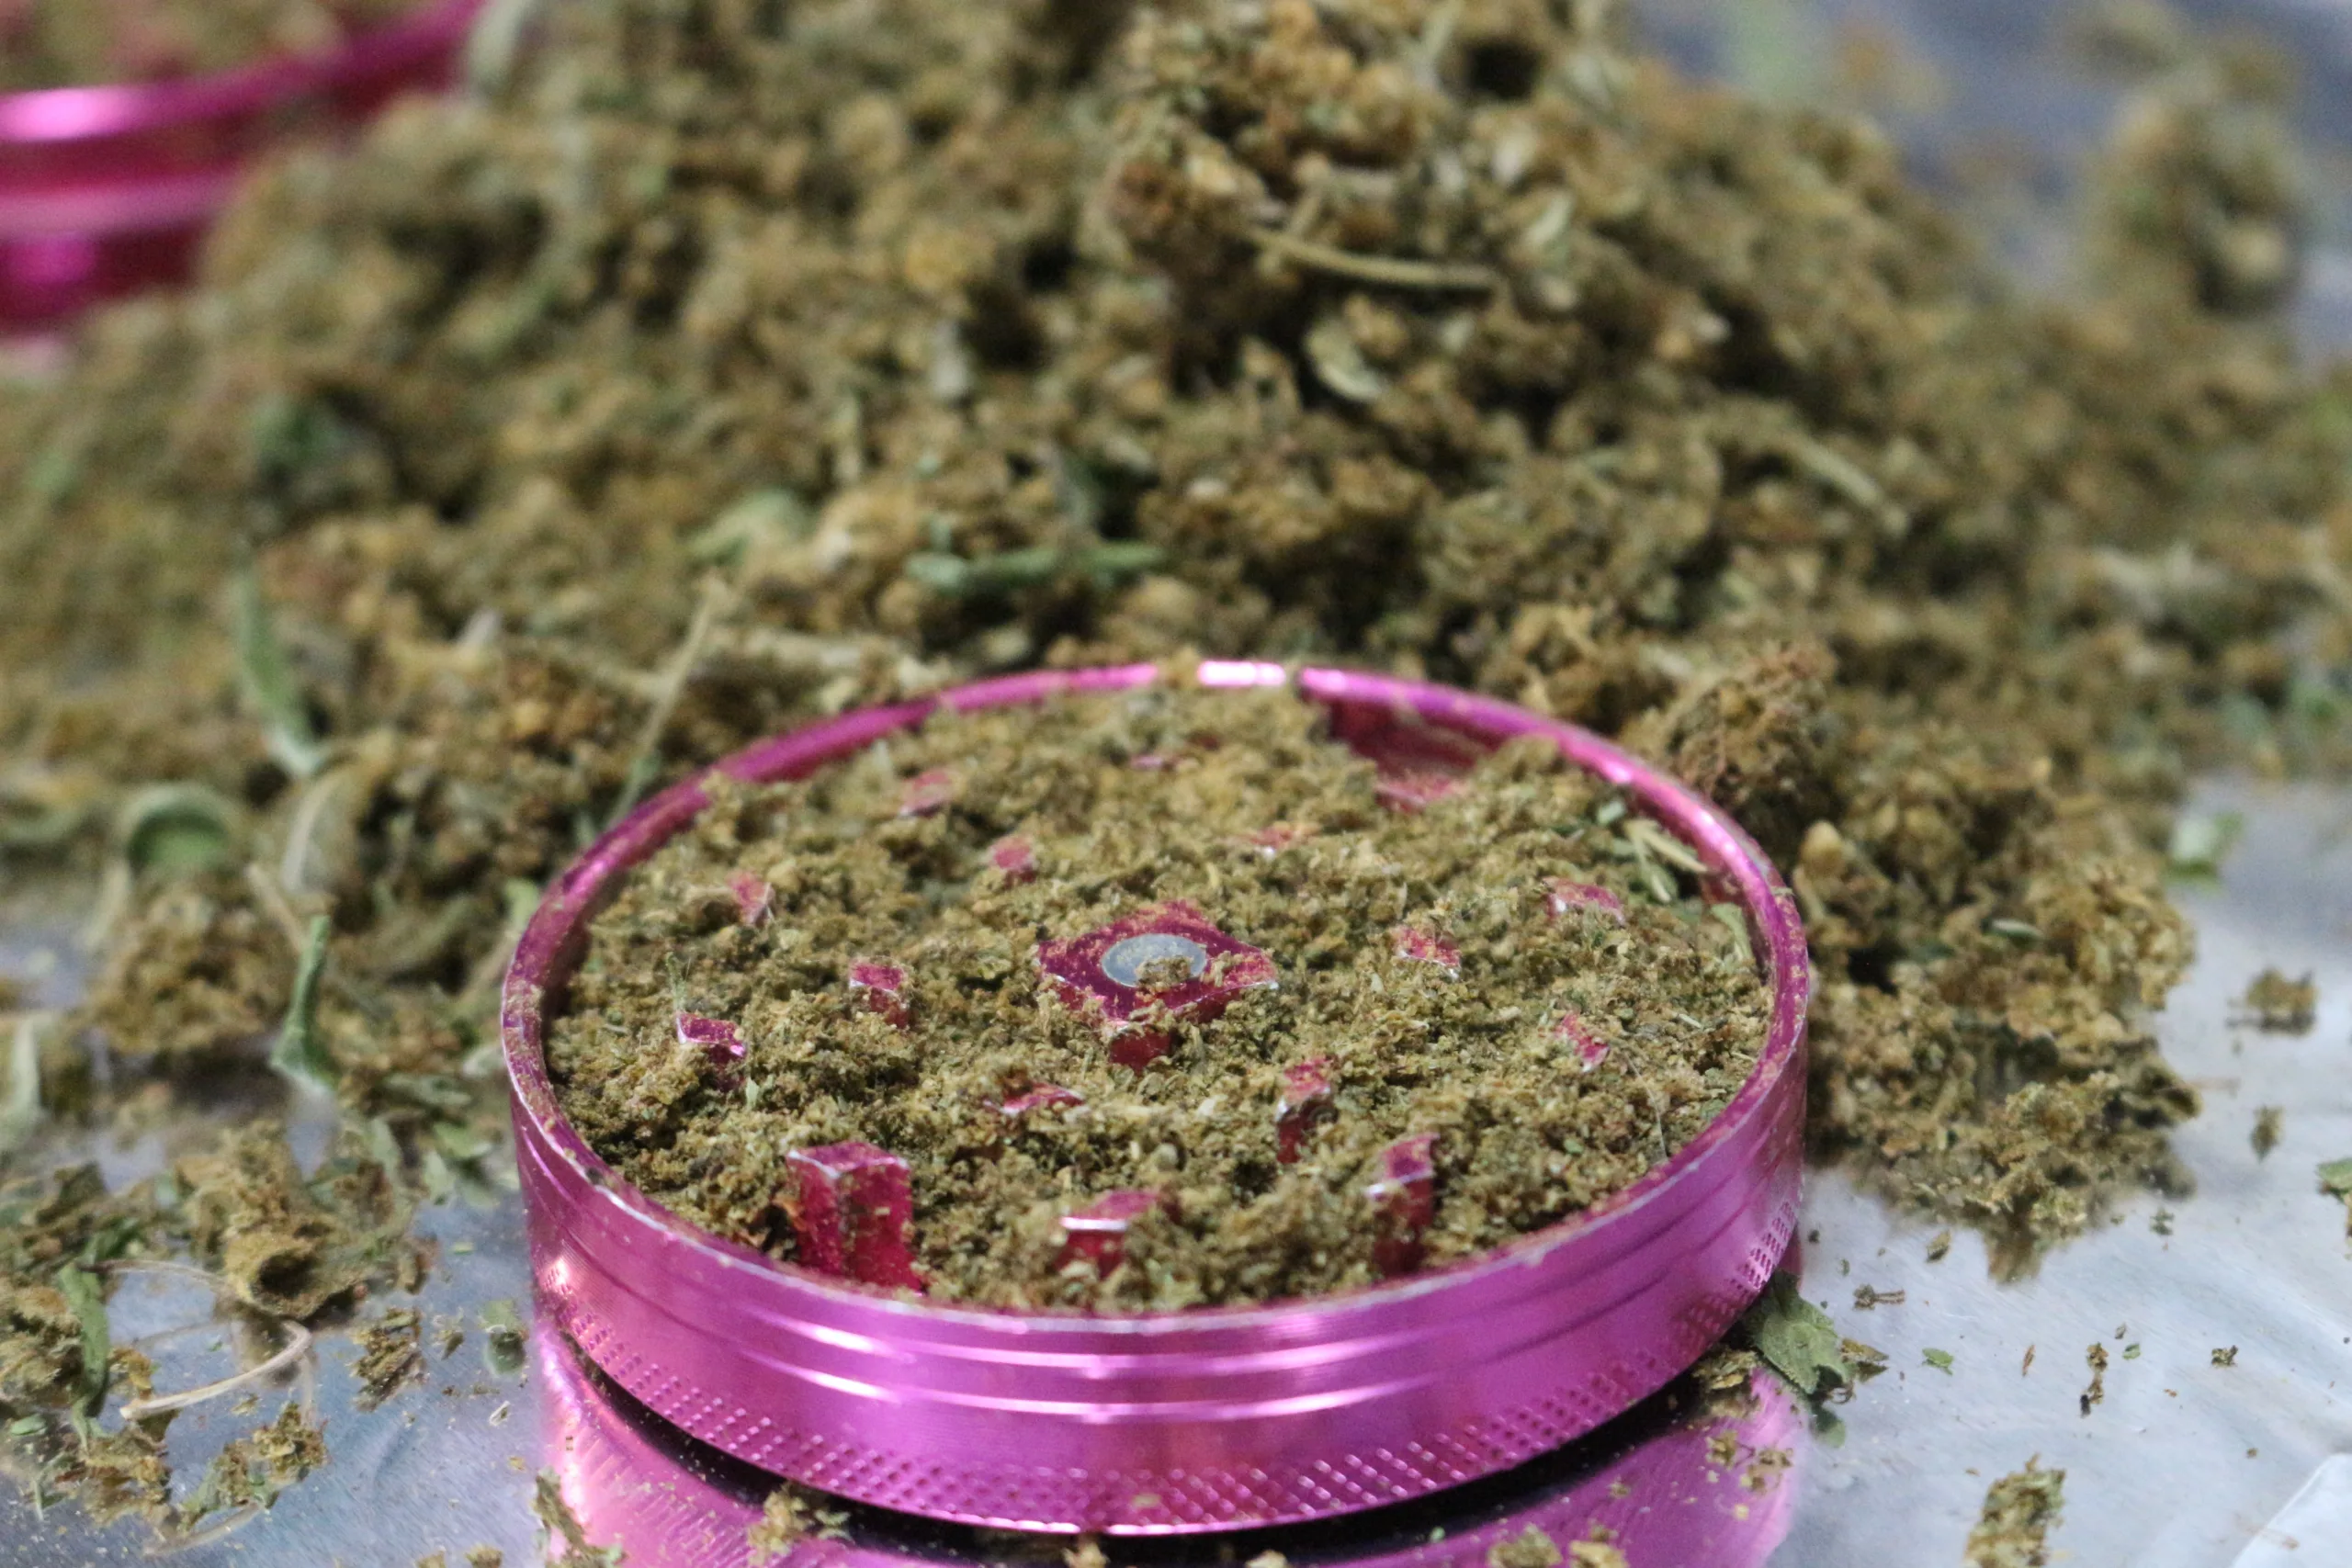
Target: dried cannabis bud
(712,372)
(2020,1512)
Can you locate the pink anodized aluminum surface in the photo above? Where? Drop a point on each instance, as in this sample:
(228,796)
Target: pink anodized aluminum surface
(107,189)
(1164,1423)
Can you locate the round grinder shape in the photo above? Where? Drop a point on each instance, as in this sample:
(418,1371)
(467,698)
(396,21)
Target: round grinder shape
(105,190)
(1169,1423)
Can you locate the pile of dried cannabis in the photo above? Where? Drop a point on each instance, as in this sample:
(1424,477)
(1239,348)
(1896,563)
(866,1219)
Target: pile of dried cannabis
(729,361)
(1517,969)
(67,43)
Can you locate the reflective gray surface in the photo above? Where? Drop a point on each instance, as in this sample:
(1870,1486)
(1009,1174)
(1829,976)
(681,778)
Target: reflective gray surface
(2180,1466)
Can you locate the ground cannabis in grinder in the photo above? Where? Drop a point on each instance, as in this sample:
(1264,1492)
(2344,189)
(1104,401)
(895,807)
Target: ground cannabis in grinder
(1508,980)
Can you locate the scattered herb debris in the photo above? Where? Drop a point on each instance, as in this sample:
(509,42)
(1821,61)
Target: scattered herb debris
(2268,1120)
(567,1544)
(390,1356)
(1869,1297)
(2020,1510)
(1939,1246)
(503,1337)
(2095,1359)
(251,1471)
(1939,1360)
(2199,844)
(2280,1006)
(1542,995)
(790,1516)
(1529,1549)
(783,1524)
(2226,1355)
(2335,1180)
(1797,1340)
(1596,1554)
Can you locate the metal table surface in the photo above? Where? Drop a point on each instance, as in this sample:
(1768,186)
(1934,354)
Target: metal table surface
(2184,1464)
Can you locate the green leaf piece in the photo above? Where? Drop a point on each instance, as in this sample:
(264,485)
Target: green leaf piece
(300,1055)
(86,1293)
(266,679)
(2199,844)
(501,1345)
(1939,1360)
(178,829)
(1797,1340)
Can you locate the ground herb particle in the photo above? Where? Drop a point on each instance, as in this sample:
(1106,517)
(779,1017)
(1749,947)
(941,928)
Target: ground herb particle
(566,1544)
(251,1471)
(2278,1005)
(2335,1180)
(2020,1512)
(503,1337)
(390,1356)
(1529,1548)
(1939,1360)
(2226,1355)
(2268,1120)
(783,1523)
(2095,1359)
(1494,970)
(1596,1554)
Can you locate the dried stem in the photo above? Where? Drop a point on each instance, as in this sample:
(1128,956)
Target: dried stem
(1395,272)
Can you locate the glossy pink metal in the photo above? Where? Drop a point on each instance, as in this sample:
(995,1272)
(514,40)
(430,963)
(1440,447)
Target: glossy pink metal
(1042,1097)
(850,1205)
(1656,1482)
(1403,1202)
(1167,1423)
(1416,945)
(1014,857)
(1099,973)
(1564,897)
(882,988)
(1097,1234)
(108,189)
(754,897)
(1307,1102)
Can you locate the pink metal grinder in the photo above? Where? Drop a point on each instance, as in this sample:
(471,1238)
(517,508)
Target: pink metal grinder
(108,189)
(1170,1423)
(1656,1482)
